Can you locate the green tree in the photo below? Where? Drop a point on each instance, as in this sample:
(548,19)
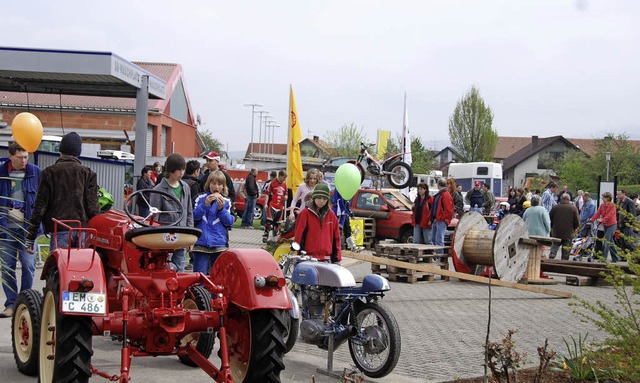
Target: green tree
(580,171)
(346,141)
(210,142)
(470,128)
(576,172)
(421,160)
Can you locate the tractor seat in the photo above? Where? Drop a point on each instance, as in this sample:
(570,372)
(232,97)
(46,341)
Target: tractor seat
(163,237)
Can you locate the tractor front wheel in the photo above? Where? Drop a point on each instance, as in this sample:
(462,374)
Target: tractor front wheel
(25,334)
(65,341)
(255,340)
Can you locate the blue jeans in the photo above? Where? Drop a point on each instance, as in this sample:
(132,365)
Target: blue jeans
(421,235)
(63,240)
(249,207)
(608,245)
(203,262)
(437,234)
(179,259)
(13,249)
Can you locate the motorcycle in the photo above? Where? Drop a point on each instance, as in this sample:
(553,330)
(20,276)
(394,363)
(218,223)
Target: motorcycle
(398,173)
(334,310)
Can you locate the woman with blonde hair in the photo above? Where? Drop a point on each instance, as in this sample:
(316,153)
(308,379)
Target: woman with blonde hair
(212,213)
(310,182)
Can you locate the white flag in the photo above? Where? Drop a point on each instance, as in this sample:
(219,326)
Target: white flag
(406,140)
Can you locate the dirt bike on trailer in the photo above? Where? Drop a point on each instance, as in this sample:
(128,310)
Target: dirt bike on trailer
(398,173)
(123,286)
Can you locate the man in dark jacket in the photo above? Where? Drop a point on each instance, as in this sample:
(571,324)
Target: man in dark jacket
(564,222)
(251,195)
(68,191)
(626,217)
(18,187)
(475,197)
(191,175)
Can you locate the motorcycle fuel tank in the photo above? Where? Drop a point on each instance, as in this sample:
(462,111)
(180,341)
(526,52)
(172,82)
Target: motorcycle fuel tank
(322,274)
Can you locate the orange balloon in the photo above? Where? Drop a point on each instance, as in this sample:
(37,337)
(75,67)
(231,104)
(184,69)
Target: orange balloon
(27,130)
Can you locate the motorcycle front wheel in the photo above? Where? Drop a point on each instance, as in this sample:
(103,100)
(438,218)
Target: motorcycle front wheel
(375,348)
(400,175)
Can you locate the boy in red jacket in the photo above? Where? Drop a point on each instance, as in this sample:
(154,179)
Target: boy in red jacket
(317,228)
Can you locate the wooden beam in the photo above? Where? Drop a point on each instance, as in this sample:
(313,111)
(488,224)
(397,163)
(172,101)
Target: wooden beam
(425,267)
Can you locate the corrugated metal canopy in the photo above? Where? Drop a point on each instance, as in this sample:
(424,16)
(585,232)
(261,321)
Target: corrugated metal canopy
(73,72)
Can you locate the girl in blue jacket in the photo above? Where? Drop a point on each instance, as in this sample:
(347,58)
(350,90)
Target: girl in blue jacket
(212,214)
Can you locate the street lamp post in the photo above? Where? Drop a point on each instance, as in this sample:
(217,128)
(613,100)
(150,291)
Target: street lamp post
(262,146)
(608,157)
(273,138)
(253,111)
(261,113)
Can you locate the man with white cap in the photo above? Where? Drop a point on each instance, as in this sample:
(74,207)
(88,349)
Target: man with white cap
(213,164)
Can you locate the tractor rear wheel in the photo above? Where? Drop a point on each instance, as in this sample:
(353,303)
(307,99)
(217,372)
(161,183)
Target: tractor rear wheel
(198,298)
(256,345)
(65,340)
(25,334)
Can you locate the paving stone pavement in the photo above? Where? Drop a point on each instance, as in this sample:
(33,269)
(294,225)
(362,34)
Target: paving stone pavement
(442,324)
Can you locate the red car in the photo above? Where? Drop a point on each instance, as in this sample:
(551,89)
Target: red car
(239,202)
(392,212)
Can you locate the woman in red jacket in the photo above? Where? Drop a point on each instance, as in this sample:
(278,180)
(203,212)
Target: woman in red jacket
(606,215)
(317,228)
(421,217)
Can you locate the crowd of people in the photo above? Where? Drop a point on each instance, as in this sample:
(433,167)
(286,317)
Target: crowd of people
(553,213)
(68,190)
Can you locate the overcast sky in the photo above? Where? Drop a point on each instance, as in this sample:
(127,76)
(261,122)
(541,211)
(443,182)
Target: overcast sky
(545,67)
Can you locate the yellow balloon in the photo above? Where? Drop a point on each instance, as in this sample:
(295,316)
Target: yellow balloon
(27,130)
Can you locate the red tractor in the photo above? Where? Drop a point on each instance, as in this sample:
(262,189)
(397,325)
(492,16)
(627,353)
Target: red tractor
(122,286)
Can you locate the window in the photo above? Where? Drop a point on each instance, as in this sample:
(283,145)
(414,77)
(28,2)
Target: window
(482,171)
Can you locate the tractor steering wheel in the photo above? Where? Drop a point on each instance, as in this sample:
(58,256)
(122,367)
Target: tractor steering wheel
(170,199)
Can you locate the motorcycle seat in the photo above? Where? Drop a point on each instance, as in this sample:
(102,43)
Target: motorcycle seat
(163,237)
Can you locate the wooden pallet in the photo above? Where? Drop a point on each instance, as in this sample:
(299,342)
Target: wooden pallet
(400,274)
(369,241)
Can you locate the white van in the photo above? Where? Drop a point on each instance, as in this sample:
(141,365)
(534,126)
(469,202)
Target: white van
(466,174)
(116,155)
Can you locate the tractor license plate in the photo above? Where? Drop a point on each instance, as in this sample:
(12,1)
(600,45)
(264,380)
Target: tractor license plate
(90,303)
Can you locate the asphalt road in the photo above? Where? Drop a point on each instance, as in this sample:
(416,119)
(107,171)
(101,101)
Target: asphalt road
(442,324)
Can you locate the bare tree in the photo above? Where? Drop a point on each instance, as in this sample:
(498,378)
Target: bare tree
(346,140)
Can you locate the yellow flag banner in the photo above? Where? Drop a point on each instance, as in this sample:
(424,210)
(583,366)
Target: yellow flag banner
(294,158)
(357,230)
(383,139)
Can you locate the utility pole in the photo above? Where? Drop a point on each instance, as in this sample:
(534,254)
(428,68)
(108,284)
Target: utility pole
(253,111)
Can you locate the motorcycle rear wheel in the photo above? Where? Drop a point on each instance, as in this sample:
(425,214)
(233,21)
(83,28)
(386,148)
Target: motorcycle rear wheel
(65,340)
(400,175)
(376,347)
(256,339)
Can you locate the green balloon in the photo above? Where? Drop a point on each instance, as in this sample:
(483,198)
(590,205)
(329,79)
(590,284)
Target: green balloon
(347,180)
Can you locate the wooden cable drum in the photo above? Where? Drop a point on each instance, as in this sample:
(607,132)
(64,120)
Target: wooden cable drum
(502,248)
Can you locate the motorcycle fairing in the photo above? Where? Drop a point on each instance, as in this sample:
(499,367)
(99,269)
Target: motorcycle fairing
(322,274)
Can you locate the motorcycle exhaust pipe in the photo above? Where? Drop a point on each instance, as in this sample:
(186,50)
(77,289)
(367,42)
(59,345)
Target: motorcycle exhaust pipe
(341,334)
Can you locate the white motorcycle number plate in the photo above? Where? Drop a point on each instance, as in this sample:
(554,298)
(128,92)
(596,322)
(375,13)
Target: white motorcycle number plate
(89,303)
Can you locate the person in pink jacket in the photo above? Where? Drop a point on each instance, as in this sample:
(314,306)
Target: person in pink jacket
(317,228)
(606,215)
